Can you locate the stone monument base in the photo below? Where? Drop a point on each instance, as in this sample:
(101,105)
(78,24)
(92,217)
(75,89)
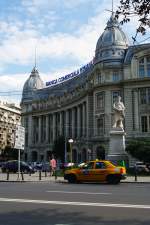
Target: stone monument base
(116,151)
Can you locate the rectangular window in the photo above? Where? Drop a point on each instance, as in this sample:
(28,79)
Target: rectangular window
(148,95)
(141,71)
(143,96)
(115,77)
(148,59)
(144,124)
(99,78)
(100,126)
(148,70)
(100,100)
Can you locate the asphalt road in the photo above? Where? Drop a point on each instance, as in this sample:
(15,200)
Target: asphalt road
(74,204)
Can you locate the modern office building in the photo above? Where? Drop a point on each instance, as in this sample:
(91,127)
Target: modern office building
(79,105)
(10,117)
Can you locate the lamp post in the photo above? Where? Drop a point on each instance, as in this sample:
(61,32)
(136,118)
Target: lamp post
(70,142)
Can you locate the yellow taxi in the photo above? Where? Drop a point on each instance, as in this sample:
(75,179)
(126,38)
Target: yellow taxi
(96,171)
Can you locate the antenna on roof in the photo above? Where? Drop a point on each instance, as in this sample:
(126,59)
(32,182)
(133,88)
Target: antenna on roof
(112,8)
(35,58)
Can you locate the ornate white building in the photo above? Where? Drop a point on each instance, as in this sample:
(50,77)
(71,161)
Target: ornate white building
(81,108)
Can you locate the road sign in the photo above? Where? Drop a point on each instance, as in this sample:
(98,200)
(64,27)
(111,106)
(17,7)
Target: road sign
(19,137)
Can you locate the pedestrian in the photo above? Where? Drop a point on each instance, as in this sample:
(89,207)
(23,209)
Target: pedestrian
(53,165)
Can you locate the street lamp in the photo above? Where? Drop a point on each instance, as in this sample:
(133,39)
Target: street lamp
(70,142)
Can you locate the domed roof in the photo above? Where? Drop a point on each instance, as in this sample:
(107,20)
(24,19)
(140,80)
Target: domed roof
(113,35)
(112,38)
(33,83)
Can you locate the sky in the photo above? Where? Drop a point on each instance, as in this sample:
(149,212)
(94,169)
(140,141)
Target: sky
(63,32)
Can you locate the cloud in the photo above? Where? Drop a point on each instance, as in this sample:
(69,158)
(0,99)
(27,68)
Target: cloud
(19,39)
(22,38)
(19,45)
(34,6)
(11,87)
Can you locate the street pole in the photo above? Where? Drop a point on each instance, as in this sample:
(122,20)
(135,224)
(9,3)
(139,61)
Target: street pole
(70,142)
(18,164)
(71,153)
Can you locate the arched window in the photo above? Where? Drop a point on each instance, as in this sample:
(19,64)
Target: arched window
(100,152)
(74,155)
(34,156)
(84,155)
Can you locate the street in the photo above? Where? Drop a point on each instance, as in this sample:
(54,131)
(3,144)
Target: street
(67,204)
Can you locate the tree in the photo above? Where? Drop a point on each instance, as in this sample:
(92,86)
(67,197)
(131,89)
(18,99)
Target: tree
(59,148)
(140,8)
(139,149)
(9,153)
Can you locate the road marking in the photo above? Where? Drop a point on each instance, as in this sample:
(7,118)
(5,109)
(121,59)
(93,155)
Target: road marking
(95,204)
(78,192)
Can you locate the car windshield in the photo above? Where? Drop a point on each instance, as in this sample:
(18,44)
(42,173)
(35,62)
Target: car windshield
(89,165)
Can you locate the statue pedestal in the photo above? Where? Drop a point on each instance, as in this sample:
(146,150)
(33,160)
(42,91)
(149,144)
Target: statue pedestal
(116,151)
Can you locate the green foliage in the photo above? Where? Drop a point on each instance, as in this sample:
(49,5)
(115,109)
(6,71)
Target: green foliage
(139,8)
(139,149)
(9,154)
(59,148)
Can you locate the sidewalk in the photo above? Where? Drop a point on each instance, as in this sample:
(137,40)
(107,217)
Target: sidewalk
(47,178)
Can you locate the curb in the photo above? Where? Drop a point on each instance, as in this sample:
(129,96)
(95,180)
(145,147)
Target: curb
(65,182)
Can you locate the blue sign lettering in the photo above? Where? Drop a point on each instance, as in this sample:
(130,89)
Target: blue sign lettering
(71,75)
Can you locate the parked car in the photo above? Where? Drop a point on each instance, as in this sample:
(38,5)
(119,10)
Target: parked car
(96,171)
(142,167)
(12,166)
(1,163)
(36,166)
(46,167)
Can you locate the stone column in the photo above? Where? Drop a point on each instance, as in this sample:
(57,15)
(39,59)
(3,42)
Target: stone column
(50,128)
(84,119)
(40,127)
(135,110)
(30,130)
(78,122)
(47,128)
(61,123)
(67,123)
(54,126)
(73,123)
(89,116)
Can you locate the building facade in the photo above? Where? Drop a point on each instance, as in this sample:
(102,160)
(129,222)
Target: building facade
(80,108)
(10,117)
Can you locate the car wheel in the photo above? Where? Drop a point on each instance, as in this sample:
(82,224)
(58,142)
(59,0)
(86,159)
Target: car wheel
(72,179)
(113,179)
